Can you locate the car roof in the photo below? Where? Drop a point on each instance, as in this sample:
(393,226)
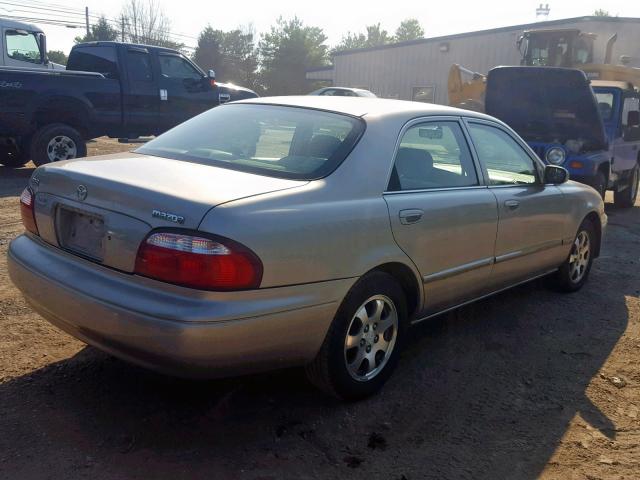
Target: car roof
(363,106)
(612,84)
(9,23)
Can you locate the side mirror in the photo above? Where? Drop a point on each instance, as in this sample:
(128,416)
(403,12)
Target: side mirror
(212,74)
(555,175)
(633,118)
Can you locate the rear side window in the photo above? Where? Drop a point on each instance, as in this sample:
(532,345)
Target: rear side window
(285,142)
(433,155)
(505,160)
(94,59)
(139,66)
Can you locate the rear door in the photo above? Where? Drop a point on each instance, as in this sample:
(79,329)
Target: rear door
(142,99)
(532,215)
(442,215)
(184,90)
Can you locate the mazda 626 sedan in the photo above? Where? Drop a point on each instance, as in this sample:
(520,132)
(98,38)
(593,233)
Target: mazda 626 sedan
(296,231)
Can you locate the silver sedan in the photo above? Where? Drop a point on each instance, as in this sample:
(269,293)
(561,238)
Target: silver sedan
(296,231)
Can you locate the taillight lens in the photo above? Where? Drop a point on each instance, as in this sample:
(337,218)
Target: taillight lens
(205,263)
(27,210)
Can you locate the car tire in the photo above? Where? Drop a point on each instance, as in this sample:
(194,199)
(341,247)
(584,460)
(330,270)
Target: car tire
(574,272)
(627,198)
(345,366)
(600,184)
(55,142)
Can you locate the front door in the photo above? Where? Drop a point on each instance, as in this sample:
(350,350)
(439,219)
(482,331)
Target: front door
(184,90)
(532,215)
(441,215)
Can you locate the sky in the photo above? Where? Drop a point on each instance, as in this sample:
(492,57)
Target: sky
(335,17)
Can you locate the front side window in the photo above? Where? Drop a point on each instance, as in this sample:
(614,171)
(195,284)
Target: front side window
(423,94)
(173,66)
(605,104)
(23,46)
(284,142)
(433,155)
(506,161)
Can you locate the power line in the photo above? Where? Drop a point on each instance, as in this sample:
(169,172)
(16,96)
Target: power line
(36,6)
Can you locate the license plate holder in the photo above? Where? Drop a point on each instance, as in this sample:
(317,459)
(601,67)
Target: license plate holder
(81,232)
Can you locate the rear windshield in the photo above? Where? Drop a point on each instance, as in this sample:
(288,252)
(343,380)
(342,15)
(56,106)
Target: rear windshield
(285,142)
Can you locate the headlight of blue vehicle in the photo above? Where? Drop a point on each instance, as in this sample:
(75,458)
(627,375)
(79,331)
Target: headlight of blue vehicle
(555,156)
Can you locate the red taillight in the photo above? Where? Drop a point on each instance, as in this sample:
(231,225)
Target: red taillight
(205,263)
(27,210)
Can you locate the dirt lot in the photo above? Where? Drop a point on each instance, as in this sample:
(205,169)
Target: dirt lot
(527,384)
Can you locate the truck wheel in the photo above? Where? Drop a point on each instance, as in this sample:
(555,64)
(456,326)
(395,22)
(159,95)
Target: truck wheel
(627,198)
(600,184)
(13,157)
(363,343)
(573,273)
(55,142)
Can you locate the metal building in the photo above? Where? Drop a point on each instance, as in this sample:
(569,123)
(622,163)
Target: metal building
(418,70)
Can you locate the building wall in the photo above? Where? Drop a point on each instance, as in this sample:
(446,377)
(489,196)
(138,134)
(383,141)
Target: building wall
(393,72)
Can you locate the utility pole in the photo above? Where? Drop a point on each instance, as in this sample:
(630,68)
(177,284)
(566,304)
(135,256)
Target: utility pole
(86,19)
(122,26)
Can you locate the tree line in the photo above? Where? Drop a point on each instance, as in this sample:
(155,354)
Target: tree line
(274,62)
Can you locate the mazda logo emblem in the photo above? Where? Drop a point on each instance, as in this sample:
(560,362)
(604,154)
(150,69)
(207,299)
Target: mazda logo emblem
(81,192)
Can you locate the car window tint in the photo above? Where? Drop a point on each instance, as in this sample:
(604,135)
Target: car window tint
(94,59)
(433,155)
(505,160)
(23,47)
(139,66)
(173,66)
(286,142)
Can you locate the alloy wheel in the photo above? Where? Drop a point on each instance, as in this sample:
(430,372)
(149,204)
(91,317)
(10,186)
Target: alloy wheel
(579,258)
(371,337)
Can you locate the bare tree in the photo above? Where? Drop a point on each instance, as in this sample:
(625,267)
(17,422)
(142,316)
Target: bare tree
(145,22)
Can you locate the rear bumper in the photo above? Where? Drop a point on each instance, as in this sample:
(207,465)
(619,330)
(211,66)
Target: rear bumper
(171,329)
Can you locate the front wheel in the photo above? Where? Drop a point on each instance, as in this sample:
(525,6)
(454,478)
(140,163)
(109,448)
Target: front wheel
(57,142)
(362,346)
(627,198)
(574,272)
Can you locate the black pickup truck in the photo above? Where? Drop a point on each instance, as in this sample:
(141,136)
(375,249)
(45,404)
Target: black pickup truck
(108,88)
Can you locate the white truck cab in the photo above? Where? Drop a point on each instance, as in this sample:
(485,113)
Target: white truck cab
(23,45)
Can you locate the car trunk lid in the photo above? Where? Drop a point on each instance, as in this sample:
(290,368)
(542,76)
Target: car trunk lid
(102,207)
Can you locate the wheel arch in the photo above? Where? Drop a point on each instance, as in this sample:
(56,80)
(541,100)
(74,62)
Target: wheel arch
(595,221)
(408,281)
(68,111)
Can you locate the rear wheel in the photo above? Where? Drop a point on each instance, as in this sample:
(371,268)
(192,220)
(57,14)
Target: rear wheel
(627,198)
(574,272)
(362,346)
(57,142)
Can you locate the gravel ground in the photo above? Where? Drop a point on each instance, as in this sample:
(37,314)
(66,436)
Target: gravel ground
(527,384)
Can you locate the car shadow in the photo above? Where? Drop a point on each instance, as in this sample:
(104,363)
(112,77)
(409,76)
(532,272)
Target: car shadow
(13,180)
(487,391)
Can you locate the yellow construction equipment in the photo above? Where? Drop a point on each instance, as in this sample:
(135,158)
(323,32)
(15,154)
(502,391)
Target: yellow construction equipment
(568,48)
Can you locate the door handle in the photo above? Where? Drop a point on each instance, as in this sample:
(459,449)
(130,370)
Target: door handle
(412,215)
(512,204)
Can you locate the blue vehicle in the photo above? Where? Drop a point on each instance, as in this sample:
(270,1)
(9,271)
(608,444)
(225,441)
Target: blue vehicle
(556,112)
